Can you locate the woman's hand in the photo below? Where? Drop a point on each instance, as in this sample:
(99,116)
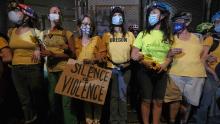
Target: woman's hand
(36,56)
(211,59)
(136,55)
(162,67)
(45,53)
(6,54)
(174,51)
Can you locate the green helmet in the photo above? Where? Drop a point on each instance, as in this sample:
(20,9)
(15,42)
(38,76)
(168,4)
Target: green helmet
(204,27)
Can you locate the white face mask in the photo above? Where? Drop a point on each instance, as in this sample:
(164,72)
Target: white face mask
(14,17)
(54,17)
(117,20)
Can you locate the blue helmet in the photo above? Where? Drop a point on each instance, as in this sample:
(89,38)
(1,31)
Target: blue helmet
(216,16)
(162,6)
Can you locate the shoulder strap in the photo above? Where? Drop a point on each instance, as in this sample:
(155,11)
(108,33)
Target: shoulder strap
(215,44)
(35,36)
(107,35)
(33,32)
(38,40)
(199,36)
(45,33)
(64,36)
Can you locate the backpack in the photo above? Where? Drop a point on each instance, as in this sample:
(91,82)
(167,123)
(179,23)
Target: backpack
(214,45)
(51,61)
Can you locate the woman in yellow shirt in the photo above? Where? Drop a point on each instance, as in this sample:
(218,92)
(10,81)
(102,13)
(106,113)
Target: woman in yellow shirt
(118,43)
(58,49)
(187,69)
(27,70)
(207,110)
(89,51)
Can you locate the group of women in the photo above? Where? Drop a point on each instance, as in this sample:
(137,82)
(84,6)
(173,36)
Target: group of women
(165,53)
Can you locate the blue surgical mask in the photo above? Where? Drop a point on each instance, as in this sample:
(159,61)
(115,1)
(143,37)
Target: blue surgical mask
(85,29)
(217,28)
(178,27)
(117,20)
(153,19)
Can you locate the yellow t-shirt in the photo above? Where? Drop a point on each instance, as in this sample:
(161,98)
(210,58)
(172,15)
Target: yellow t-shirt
(56,41)
(152,45)
(208,42)
(23,46)
(3,43)
(188,63)
(118,47)
(89,51)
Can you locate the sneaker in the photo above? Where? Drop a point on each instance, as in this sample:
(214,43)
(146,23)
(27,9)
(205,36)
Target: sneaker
(89,121)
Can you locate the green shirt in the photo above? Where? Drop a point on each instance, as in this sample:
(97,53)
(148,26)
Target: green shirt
(152,45)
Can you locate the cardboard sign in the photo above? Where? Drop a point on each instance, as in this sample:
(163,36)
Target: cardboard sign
(84,81)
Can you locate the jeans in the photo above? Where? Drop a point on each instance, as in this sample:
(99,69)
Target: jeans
(208,93)
(28,81)
(118,107)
